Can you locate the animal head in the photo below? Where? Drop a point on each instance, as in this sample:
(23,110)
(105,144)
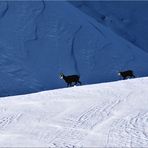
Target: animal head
(61,75)
(119,73)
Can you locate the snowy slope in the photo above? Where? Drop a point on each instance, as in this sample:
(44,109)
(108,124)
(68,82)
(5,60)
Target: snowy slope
(111,114)
(47,38)
(126,18)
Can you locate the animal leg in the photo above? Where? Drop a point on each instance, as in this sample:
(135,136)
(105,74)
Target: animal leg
(75,83)
(124,78)
(79,82)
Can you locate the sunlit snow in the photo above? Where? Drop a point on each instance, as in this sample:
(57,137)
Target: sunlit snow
(111,114)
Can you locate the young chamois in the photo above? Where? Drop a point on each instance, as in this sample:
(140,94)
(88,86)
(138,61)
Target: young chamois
(70,79)
(126,74)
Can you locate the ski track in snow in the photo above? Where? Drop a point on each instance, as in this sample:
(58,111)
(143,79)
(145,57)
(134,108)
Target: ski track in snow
(74,127)
(129,132)
(95,115)
(8,119)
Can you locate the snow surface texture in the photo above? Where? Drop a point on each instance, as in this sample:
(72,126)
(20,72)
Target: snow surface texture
(111,114)
(126,18)
(41,39)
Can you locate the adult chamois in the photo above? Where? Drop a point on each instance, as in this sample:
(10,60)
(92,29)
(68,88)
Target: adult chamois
(126,74)
(70,79)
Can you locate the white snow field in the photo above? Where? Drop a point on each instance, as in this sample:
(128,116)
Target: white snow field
(111,114)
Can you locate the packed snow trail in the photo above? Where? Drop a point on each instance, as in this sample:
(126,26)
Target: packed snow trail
(108,115)
(130,131)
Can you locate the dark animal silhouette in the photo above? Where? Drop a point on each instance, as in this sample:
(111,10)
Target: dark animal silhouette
(126,74)
(70,79)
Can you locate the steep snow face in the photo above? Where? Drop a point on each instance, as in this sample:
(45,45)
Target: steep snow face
(17,26)
(112,114)
(126,18)
(39,40)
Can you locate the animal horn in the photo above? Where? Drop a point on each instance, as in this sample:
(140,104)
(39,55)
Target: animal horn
(61,75)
